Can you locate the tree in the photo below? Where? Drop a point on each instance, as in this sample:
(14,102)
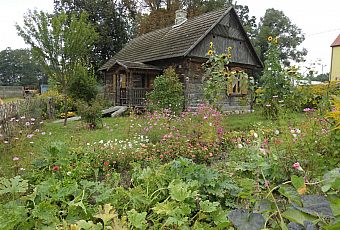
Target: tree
(17,67)
(276,24)
(59,46)
(321,77)
(112,20)
(162,13)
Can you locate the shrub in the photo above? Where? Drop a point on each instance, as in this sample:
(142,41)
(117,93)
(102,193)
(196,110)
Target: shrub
(167,93)
(90,112)
(84,85)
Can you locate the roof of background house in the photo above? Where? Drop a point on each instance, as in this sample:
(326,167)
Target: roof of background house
(336,42)
(172,41)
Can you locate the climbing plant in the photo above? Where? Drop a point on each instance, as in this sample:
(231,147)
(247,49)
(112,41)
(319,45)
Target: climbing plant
(219,80)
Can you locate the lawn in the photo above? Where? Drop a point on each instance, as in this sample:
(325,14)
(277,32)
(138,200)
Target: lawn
(75,134)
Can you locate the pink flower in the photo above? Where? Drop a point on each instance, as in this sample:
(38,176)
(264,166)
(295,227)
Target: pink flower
(106,163)
(266,184)
(16,158)
(297,166)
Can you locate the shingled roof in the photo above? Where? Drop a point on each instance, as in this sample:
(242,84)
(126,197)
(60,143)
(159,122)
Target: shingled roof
(173,41)
(135,65)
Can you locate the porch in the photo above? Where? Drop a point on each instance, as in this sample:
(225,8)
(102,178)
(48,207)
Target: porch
(127,83)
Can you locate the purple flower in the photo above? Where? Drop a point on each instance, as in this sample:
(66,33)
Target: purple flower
(30,135)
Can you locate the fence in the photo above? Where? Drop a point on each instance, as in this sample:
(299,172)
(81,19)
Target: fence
(24,115)
(11,91)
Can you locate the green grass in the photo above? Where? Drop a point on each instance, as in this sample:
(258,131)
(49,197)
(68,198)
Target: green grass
(248,121)
(13,99)
(73,135)
(76,135)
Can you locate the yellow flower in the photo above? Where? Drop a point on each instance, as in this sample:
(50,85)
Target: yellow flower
(270,38)
(211,45)
(210,52)
(229,56)
(276,40)
(230,48)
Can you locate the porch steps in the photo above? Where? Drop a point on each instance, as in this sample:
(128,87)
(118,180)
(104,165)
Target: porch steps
(115,111)
(119,111)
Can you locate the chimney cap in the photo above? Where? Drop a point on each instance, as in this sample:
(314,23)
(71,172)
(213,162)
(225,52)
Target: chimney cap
(181,17)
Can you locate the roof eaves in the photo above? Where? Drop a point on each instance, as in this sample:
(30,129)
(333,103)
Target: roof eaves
(207,32)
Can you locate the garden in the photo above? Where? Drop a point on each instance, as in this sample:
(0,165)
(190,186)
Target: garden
(275,167)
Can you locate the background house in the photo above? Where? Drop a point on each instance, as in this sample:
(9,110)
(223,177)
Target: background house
(130,73)
(335,61)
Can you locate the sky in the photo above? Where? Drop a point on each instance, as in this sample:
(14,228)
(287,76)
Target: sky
(319,21)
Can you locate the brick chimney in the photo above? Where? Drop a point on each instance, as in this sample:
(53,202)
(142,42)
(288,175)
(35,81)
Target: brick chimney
(181,17)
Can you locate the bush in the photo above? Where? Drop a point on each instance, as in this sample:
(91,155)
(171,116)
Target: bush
(90,113)
(84,85)
(168,93)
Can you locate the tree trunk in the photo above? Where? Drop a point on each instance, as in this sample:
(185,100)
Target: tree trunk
(65,109)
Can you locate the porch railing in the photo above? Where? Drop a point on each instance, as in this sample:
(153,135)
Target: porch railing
(133,97)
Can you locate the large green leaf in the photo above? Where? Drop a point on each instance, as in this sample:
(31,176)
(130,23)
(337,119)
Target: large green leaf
(335,226)
(11,215)
(46,211)
(106,213)
(263,206)
(331,180)
(297,216)
(89,225)
(13,185)
(243,220)
(137,219)
(334,202)
(207,206)
(315,205)
(291,193)
(179,190)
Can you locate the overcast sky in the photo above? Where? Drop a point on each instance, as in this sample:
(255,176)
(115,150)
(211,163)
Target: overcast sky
(319,20)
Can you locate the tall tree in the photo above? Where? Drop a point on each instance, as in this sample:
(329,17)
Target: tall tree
(161,13)
(60,46)
(276,24)
(112,20)
(17,67)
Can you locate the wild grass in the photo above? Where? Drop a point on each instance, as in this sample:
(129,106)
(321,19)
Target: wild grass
(76,135)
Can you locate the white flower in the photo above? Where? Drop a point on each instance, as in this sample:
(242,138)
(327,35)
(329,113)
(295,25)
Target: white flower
(68,173)
(240,146)
(294,135)
(277,132)
(298,131)
(101,142)
(256,135)
(292,131)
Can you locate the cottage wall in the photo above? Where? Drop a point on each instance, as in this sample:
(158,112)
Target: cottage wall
(228,33)
(194,95)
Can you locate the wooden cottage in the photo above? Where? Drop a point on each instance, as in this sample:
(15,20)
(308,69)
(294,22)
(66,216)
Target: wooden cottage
(129,75)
